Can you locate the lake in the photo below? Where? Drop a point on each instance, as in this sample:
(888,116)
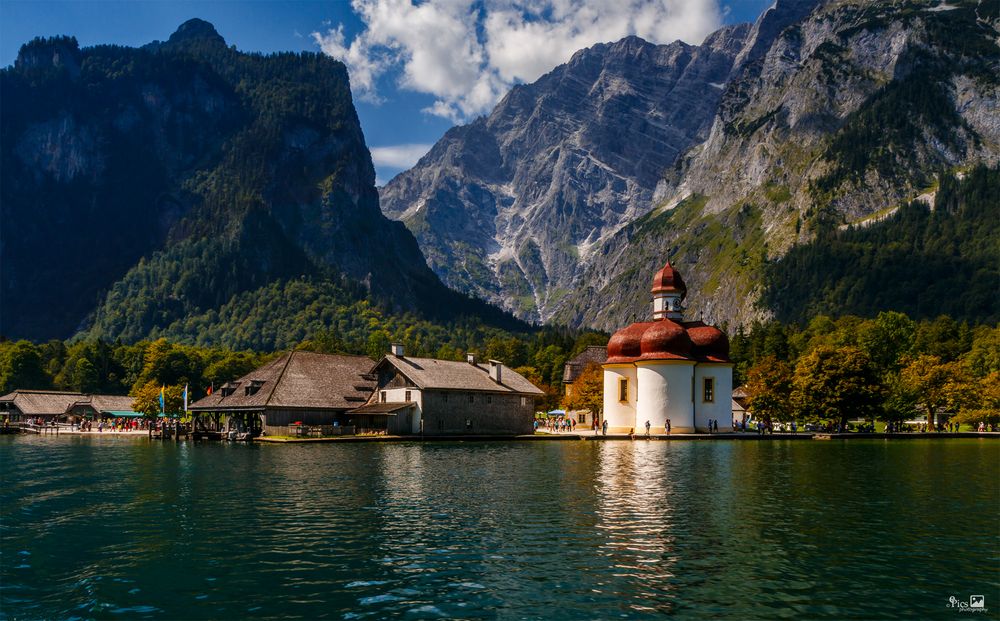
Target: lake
(128,528)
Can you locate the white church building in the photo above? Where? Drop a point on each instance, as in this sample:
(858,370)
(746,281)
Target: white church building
(668,369)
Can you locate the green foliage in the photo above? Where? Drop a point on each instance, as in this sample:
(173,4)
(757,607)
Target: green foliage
(913,113)
(919,262)
(769,388)
(147,399)
(21,366)
(588,391)
(837,384)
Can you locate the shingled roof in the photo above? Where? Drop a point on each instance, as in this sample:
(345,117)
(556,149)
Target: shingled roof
(453,375)
(298,379)
(594,354)
(41,402)
(105,403)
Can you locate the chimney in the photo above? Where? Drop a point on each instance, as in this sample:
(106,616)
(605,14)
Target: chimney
(496,371)
(396,349)
(470,358)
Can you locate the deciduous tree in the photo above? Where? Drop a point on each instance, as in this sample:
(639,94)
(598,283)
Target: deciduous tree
(835,384)
(769,387)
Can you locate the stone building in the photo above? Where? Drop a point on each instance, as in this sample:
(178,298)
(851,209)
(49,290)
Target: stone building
(668,368)
(446,397)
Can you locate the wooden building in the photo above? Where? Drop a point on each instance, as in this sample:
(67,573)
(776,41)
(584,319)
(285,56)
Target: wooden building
(446,397)
(47,405)
(298,387)
(96,407)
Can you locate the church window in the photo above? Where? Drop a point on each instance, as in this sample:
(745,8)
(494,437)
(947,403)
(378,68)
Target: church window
(708,390)
(623,389)
(406,396)
(581,418)
(382,396)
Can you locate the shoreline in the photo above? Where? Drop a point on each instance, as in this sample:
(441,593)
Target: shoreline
(568,437)
(624,437)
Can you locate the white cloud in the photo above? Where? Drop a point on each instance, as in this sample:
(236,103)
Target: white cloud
(467,54)
(399,155)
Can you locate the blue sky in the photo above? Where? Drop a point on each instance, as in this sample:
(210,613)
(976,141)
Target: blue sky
(417,68)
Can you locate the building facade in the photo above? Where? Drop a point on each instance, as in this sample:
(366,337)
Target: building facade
(668,369)
(448,397)
(297,388)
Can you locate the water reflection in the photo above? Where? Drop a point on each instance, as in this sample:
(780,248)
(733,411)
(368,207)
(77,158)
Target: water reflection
(636,491)
(740,530)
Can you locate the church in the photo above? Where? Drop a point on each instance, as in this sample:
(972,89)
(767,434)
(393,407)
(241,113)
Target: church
(668,368)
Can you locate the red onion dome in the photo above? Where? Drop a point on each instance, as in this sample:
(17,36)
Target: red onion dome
(669,280)
(625,345)
(710,343)
(665,340)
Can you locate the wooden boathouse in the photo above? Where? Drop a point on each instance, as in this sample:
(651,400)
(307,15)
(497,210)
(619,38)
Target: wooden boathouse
(295,390)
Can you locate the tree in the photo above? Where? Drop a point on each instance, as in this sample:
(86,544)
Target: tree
(85,377)
(229,367)
(984,406)
(887,339)
(588,391)
(934,385)
(21,366)
(769,387)
(378,344)
(146,400)
(984,356)
(834,384)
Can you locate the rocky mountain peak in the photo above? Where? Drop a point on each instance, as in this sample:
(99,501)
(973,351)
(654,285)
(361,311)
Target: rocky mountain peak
(50,52)
(196,30)
(511,207)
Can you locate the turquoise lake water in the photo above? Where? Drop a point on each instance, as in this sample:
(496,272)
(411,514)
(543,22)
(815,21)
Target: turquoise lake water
(115,528)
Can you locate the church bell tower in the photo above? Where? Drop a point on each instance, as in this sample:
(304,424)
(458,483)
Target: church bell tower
(668,294)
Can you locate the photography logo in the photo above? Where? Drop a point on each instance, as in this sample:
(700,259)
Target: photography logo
(976,603)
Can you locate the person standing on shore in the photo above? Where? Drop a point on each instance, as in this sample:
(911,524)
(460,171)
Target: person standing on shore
(710,426)
(666,426)
(604,427)
(647,429)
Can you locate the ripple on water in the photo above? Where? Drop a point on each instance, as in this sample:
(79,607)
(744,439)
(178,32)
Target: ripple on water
(560,530)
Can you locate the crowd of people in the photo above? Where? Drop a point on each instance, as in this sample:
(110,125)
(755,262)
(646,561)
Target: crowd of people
(760,427)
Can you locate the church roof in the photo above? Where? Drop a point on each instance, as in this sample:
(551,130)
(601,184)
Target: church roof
(669,280)
(667,339)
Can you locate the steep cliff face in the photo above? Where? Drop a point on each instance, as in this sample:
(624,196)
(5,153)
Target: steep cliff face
(851,111)
(513,206)
(143,187)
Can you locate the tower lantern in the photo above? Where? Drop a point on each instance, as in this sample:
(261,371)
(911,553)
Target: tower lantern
(668,294)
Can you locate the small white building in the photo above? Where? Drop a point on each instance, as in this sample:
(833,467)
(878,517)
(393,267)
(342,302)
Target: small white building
(668,369)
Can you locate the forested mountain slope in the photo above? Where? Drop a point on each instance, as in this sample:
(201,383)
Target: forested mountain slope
(145,189)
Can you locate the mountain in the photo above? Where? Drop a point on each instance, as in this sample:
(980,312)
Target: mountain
(820,116)
(512,207)
(853,110)
(144,190)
